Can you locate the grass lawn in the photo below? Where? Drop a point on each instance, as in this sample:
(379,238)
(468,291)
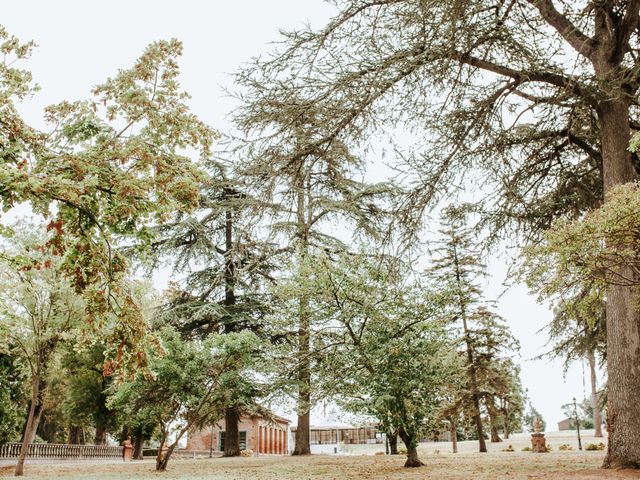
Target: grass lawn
(439,465)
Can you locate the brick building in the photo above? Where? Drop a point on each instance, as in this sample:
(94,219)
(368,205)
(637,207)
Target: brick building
(257,433)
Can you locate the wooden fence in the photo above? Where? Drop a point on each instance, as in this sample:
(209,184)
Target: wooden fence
(59,450)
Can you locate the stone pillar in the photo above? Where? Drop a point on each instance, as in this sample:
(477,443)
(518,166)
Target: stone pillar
(538,442)
(127,450)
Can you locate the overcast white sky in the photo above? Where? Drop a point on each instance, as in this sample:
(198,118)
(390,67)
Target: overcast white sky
(81,43)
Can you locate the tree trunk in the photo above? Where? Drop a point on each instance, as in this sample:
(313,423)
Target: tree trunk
(623,317)
(231,432)
(100,437)
(597,418)
(163,460)
(454,436)
(412,449)
(393,444)
(302,445)
(35,412)
(75,433)
(471,366)
(506,427)
(495,438)
(138,445)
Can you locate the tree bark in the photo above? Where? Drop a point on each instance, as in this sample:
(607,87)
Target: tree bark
(454,436)
(495,438)
(506,426)
(138,445)
(597,418)
(393,444)
(302,445)
(38,387)
(74,435)
(100,437)
(471,366)
(231,432)
(623,317)
(163,460)
(412,449)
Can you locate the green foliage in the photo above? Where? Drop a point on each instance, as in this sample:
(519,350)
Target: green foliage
(587,251)
(187,386)
(107,170)
(12,397)
(39,308)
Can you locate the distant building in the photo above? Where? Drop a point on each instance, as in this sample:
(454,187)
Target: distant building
(259,434)
(333,434)
(564,424)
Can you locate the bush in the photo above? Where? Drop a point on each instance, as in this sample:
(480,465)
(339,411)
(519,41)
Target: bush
(565,446)
(246,453)
(402,450)
(510,449)
(594,446)
(526,449)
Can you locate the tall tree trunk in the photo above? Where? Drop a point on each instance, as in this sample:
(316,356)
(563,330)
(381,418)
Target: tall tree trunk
(231,414)
(100,436)
(597,418)
(75,433)
(623,317)
(471,365)
(138,446)
(38,387)
(231,432)
(453,431)
(505,421)
(303,445)
(495,438)
(393,444)
(412,449)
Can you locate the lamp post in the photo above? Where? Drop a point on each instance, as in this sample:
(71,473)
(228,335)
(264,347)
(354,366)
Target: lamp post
(575,411)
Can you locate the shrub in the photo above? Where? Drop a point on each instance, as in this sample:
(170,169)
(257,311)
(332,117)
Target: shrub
(526,449)
(246,453)
(565,446)
(402,450)
(510,449)
(594,446)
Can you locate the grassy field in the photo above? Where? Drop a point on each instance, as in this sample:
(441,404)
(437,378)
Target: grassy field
(439,465)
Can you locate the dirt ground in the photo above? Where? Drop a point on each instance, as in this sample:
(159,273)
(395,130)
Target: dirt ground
(439,464)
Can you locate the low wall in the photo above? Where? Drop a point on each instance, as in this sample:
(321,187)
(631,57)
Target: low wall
(60,450)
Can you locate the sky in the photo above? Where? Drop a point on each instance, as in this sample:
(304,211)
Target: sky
(82,43)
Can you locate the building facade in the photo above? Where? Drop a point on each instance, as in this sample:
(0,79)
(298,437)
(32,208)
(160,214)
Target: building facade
(328,435)
(259,434)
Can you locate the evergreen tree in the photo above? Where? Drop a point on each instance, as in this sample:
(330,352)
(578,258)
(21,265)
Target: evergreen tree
(226,268)
(535,102)
(483,335)
(304,189)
